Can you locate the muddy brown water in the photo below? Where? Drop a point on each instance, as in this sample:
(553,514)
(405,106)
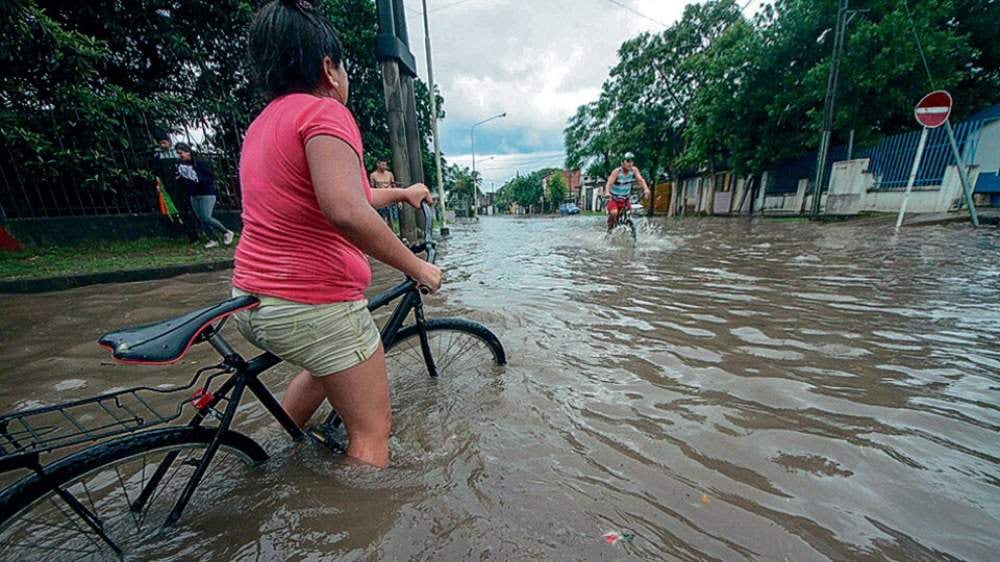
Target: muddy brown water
(726,391)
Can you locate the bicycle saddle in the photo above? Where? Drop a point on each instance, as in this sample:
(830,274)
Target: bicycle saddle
(168,341)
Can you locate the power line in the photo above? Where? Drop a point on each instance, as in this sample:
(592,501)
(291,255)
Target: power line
(516,158)
(526,162)
(527,157)
(418,13)
(637,12)
(920,48)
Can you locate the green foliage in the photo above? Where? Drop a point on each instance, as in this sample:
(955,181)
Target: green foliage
(459,187)
(458,180)
(644,103)
(557,188)
(526,190)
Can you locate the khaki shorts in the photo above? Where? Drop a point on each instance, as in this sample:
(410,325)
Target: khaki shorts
(321,338)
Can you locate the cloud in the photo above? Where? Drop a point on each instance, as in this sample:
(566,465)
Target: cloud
(536,60)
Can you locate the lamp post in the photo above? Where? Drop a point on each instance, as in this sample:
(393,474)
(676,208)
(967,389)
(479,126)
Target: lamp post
(475,181)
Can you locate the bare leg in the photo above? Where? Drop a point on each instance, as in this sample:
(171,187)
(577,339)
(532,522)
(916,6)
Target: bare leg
(612,219)
(304,396)
(361,397)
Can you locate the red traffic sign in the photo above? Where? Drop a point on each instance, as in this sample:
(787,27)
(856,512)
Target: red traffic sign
(933,110)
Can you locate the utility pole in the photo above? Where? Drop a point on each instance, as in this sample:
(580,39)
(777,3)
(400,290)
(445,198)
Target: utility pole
(398,69)
(828,107)
(434,121)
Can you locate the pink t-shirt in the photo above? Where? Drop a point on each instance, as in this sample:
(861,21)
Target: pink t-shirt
(288,249)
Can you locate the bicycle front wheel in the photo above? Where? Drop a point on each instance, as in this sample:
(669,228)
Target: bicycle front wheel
(126,489)
(456,346)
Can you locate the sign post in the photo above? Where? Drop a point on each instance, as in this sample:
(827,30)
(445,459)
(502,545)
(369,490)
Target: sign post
(931,112)
(913,176)
(963,174)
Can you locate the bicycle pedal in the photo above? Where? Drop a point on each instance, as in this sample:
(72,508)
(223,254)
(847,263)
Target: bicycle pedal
(329,437)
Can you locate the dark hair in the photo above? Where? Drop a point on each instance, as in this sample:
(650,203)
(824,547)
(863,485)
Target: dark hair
(183,146)
(288,40)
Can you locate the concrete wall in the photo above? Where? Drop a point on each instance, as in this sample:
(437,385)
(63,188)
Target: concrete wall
(786,202)
(56,230)
(853,190)
(722,201)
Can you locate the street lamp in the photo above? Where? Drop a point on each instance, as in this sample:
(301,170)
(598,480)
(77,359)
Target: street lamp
(473,131)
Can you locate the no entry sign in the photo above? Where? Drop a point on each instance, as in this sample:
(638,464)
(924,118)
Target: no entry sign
(933,110)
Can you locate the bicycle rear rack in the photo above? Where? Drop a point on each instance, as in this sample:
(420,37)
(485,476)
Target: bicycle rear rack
(44,429)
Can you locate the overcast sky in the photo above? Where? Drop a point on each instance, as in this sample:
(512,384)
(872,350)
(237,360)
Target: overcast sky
(537,60)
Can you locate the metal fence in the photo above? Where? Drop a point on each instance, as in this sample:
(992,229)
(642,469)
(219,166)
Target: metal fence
(25,193)
(891,159)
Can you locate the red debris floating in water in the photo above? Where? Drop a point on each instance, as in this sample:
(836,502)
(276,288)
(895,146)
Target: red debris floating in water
(614,537)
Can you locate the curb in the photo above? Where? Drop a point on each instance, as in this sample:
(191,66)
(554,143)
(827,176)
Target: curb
(49,284)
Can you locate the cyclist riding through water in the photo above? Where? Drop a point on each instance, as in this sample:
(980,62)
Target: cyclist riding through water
(619,188)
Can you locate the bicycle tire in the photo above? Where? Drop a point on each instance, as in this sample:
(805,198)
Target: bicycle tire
(438,326)
(20,499)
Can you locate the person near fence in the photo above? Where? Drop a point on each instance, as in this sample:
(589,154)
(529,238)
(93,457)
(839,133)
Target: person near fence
(163,164)
(382,178)
(309,226)
(196,176)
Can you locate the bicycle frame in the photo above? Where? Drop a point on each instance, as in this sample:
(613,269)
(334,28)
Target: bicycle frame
(624,215)
(244,376)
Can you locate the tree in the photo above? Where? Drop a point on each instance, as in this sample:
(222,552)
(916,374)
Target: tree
(459,187)
(557,189)
(643,106)
(525,190)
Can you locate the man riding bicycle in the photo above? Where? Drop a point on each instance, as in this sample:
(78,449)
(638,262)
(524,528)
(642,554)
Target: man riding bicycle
(619,188)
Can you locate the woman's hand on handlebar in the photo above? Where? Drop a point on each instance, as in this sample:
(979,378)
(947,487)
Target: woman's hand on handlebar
(429,277)
(418,193)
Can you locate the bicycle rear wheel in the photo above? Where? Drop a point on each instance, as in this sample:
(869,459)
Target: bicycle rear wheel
(108,480)
(457,347)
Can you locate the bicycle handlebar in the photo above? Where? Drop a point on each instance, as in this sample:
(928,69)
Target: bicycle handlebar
(427,244)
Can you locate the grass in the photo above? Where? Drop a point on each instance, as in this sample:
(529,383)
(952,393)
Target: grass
(102,256)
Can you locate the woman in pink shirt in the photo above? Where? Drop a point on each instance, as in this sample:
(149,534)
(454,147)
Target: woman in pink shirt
(309,223)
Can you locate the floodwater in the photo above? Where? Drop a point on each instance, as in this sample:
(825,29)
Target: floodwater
(725,391)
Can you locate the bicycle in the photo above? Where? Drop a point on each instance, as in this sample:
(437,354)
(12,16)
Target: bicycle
(625,217)
(121,485)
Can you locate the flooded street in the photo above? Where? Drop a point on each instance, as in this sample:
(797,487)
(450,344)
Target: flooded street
(725,391)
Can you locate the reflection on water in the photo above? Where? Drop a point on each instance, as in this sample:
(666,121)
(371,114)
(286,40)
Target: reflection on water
(721,391)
